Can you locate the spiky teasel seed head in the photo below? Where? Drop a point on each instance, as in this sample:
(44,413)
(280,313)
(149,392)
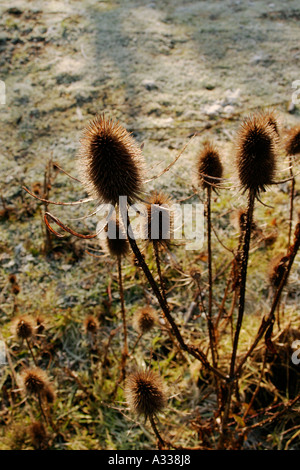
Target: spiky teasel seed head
(277,269)
(91,324)
(23,327)
(110,162)
(256,155)
(209,166)
(35,381)
(38,433)
(159,221)
(145,393)
(292,141)
(116,242)
(144,319)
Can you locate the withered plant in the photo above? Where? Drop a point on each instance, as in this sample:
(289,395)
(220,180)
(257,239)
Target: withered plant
(113,171)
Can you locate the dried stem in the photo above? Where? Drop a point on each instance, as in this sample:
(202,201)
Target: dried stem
(292,196)
(31,352)
(210,324)
(241,308)
(161,442)
(195,352)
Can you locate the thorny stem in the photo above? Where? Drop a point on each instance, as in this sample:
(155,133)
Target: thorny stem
(156,432)
(164,306)
(31,352)
(211,328)
(267,322)
(163,290)
(241,308)
(157,259)
(125,347)
(42,409)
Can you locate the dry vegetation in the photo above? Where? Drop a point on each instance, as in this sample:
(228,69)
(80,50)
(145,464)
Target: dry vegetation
(118,345)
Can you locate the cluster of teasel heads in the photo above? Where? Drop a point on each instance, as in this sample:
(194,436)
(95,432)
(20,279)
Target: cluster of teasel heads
(33,381)
(111,165)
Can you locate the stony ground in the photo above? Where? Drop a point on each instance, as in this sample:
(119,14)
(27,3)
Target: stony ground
(165,69)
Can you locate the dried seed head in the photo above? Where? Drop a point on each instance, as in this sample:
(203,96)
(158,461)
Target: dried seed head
(38,434)
(91,324)
(256,154)
(277,269)
(292,141)
(111,162)
(49,394)
(145,393)
(159,223)
(144,319)
(116,242)
(12,278)
(23,327)
(35,381)
(209,166)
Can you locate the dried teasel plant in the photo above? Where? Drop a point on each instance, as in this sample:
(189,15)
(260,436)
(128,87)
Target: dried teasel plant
(146,396)
(102,146)
(24,328)
(256,165)
(35,382)
(210,173)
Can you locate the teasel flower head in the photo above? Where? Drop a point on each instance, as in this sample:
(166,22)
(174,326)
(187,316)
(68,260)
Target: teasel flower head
(159,220)
(209,166)
(145,393)
(110,162)
(256,155)
(23,327)
(144,319)
(292,141)
(277,270)
(116,241)
(35,381)
(91,324)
